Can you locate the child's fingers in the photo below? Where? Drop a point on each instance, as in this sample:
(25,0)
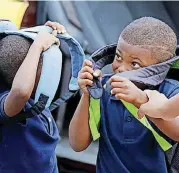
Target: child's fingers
(56,26)
(141,110)
(86,75)
(121,96)
(60,28)
(117,79)
(140,114)
(54,32)
(51,24)
(118,85)
(87,63)
(87,69)
(97,73)
(115,91)
(85,82)
(149,92)
(55,40)
(48,23)
(153,93)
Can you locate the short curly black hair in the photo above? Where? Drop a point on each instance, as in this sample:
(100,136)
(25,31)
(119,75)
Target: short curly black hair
(13,50)
(153,34)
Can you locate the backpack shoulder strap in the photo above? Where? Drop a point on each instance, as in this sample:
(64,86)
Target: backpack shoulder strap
(63,99)
(36,109)
(175,158)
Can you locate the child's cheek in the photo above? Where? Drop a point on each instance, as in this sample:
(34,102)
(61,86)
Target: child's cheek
(115,66)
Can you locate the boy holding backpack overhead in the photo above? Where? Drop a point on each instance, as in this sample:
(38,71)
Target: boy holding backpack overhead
(27,146)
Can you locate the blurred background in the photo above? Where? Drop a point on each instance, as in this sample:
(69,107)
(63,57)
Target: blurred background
(94,24)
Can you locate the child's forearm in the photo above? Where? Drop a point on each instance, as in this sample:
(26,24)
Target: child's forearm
(24,79)
(23,82)
(172,107)
(79,131)
(169,128)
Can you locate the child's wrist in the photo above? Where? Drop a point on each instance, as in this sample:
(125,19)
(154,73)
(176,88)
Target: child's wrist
(37,46)
(85,96)
(85,93)
(142,99)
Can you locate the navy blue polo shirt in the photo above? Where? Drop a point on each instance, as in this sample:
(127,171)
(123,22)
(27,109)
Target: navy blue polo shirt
(28,147)
(125,145)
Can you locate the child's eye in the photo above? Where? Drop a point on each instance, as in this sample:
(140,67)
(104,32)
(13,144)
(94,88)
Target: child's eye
(118,57)
(136,65)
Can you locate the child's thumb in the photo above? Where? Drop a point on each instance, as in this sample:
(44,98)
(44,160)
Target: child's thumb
(97,73)
(140,113)
(54,32)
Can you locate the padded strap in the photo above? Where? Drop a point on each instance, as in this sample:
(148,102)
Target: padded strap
(64,99)
(50,75)
(36,109)
(175,159)
(77,58)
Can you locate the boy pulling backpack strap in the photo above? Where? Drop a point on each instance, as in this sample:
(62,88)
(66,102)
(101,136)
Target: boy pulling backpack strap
(150,76)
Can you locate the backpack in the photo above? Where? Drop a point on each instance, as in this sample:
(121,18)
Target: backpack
(44,97)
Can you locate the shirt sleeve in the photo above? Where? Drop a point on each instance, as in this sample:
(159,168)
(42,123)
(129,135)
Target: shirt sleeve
(169,88)
(3,96)
(174,92)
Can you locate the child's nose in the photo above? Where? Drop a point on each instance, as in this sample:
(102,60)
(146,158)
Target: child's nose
(122,68)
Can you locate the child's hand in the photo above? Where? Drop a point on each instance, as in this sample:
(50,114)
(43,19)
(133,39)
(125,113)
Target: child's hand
(56,26)
(155,107)
(85,76)
(44,40)
(124,89)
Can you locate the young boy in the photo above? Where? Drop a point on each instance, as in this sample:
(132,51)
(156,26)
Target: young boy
(125,145)
(28,146)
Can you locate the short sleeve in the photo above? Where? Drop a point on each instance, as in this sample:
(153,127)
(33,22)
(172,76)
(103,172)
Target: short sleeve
(169,88)
(2,100)
(174,92)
